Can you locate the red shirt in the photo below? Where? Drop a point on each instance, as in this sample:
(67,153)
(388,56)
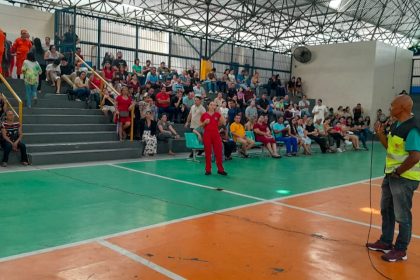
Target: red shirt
(262,127)
(96,81)
(22,46)
(163,96)
(123,104)
(108,73)
(213,125)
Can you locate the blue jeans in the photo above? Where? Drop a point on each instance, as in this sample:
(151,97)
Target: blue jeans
(396,202)
(291,144)
(82,93)
(30,93)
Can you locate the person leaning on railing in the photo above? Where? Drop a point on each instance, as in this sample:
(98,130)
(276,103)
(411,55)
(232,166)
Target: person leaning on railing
(12,139)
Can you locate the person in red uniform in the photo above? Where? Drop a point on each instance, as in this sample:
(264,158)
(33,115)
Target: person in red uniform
(21,47)
(2,42)
(123,103)
(211,138)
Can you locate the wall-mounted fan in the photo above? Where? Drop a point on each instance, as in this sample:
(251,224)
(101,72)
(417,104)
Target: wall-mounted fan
(302,54)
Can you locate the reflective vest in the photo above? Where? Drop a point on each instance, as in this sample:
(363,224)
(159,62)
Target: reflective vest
(396,153)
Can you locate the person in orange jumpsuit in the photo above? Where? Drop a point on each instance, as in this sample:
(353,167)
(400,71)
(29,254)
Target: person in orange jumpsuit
(211,138)
(21,47)
(2,42)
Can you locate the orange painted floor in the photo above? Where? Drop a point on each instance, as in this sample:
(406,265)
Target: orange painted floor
(265,241)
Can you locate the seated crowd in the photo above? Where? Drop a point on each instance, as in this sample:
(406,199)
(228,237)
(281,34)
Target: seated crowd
(160,96)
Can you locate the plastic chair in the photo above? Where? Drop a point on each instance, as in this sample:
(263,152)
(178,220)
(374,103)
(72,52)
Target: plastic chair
(192,142)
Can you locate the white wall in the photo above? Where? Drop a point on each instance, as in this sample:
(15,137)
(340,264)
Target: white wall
(351,73)
(392,74)
(13,19)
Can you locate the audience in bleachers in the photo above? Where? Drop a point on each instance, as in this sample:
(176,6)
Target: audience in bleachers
(163,93)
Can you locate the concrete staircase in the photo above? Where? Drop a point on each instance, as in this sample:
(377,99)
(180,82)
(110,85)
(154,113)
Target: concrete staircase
(57,130)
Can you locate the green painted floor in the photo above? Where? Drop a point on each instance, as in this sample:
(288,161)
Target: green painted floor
(46,208)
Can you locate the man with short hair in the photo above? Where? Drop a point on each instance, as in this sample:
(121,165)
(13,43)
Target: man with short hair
(402,176)
(163,101)
(263,104)
(119,61)
(304,106)
(239,136)
(178,108)
(21,47)
(319,111)
(193,120)
(163,71)
(153,78)
(251,111)
(199,90)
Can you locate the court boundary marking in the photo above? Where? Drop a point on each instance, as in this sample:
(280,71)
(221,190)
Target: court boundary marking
(143,228)
(275,201)
(140,260)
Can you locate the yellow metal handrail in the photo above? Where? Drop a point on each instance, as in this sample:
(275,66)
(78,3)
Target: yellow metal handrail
(20,103)
(114,90)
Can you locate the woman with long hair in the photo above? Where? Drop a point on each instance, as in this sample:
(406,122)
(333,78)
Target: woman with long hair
(123,104)
(31,71)
(39,53)
(263,135)
(211,120)
(148,130)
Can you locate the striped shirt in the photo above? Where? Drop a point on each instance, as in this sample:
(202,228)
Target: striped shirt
(12,130)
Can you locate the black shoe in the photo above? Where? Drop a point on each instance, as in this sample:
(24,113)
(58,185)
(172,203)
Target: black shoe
(207,173)
(222,173)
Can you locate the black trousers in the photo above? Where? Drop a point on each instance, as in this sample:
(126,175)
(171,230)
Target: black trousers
(7,148)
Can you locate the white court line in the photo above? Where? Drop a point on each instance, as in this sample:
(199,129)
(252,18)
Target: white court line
(141,260)
(260,201)
(272,201)
(86,241)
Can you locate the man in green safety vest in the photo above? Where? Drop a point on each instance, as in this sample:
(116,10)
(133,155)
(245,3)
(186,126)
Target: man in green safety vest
(402,176)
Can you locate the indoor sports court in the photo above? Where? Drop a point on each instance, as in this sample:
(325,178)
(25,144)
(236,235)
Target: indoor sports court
(158,220)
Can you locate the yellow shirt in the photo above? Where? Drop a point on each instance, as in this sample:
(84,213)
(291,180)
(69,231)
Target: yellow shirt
(237,129)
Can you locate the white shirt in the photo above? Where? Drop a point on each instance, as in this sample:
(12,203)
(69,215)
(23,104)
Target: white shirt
(304,105)
(196,113)
(56,69)
(224,112)
(319,112)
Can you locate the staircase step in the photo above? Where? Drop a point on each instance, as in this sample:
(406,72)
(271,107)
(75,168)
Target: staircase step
(66,137)
(61,111)
(65,119)
(34,128)
(78,146)
(50,103)
(84,156)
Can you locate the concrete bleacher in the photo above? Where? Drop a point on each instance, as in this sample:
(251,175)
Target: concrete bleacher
(57,130)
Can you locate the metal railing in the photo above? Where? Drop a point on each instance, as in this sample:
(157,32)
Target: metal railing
(18,114)
(106,84)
